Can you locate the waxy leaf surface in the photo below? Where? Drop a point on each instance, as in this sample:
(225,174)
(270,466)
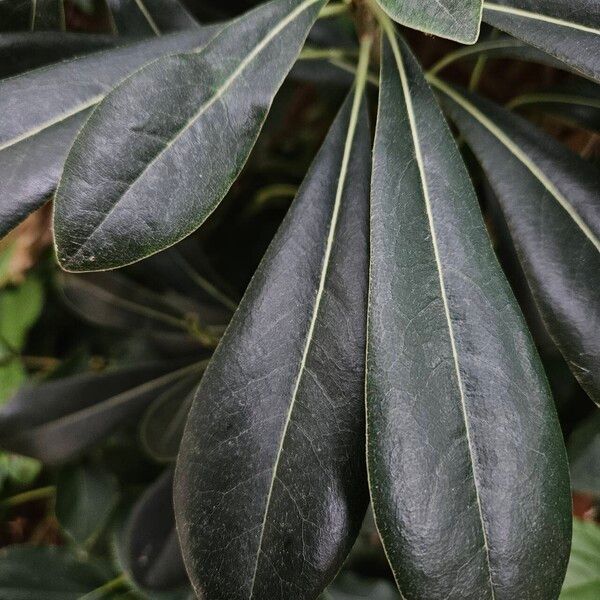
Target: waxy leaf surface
(568,30)
(549,197)
(37,129)
(467,467)
(161,151)
(457,20)
(270,486)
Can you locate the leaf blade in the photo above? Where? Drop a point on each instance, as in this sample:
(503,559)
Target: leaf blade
(125,183)
(568,31)
(300,453)
(443,332)
(457,20)
(554,198)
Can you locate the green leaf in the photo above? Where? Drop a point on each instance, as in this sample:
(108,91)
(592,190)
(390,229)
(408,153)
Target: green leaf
(144,174)
(163,423)
(549,197)
(150,546)
(37,130)
(86,495)
(57,420)
(583,576)
(31,15)
(20,308)
(150,17)
(569,31)
(47,573)
(467,467)
(270,485)
(584,455)
(457,20)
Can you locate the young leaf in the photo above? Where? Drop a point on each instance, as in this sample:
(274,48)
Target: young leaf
(47,573)
(569,30)
(57,420)
(549,197)
(85,498)
(150,17)
(467,467)
(162,149)
(37,129)
(270,485)
(457,20)
(149,544)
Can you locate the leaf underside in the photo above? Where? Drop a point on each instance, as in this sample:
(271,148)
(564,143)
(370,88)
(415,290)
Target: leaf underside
(457,20)
(463,439)
(270,484)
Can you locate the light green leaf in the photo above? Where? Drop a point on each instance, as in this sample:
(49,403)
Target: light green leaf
(85,498)
(568,30)
(457,20)
(144,174)
(583,574)
(467,467)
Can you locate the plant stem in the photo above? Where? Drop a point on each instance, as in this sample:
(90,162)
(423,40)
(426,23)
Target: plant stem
(470,51)
(333,10)
(109,586)
(30,496)
(320,53)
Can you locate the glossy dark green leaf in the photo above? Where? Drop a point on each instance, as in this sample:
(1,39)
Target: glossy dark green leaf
(86,495)
(25,51)
(36,129)
(583,575)
(31,15)
(270,484)
(150,17)
(467,467)
(47,573)
(453,19)
(549,197)
(144,174)
(57,420)
(162,426)
(150,544)
(584,455)
(569,30)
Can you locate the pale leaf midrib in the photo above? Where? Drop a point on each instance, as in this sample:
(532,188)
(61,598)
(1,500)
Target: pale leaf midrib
(519,12)
(289,18)
(423,176)
(309,337)
(146,14)
(518,153)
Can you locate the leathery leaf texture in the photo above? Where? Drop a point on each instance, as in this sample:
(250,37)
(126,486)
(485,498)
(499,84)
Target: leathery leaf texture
(467,468)
(549,197)
(162,149)
(270,486)
(567,29)
(457,20)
